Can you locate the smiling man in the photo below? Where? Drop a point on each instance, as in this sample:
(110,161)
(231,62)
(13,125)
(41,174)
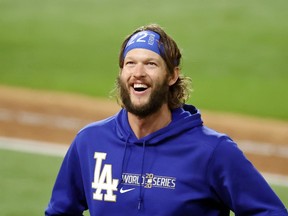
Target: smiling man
(155,157)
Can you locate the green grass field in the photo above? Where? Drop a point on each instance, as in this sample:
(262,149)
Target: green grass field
(27,180)
(235,51)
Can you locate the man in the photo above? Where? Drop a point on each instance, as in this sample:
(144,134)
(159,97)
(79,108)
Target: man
(155,157)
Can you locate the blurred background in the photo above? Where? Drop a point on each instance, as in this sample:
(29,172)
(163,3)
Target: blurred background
(236,53)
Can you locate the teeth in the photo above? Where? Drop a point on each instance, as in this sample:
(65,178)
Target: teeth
(139,85)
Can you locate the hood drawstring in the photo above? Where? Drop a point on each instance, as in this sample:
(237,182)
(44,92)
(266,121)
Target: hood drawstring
(123,162)
(140,200)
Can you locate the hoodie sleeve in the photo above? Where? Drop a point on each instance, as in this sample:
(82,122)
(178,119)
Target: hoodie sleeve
(239,185)
(68,196)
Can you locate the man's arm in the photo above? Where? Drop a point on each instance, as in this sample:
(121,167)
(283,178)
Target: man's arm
(239,185)
(68,194)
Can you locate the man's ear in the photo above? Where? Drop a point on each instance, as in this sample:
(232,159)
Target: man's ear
(174,77)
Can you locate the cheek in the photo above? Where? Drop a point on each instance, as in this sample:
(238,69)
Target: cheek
(123,76)
(161,79)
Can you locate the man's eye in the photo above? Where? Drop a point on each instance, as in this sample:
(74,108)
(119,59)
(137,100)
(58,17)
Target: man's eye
(129,62)
(152,63)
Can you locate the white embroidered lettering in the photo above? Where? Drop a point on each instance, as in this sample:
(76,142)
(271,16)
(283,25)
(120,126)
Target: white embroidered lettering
(103,179)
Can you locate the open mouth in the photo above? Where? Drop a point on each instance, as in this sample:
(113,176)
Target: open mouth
(139,87)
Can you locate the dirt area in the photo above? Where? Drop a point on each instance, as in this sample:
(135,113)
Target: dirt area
(56,117)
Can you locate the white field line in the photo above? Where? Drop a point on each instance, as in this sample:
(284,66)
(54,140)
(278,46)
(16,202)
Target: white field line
(264,149)
(35,119)
(276,179)
(53,149)
(31,146)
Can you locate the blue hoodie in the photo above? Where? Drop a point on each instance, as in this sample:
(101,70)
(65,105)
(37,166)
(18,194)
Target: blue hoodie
(184,169)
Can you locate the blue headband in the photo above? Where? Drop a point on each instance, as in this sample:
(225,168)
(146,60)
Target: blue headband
(145,40)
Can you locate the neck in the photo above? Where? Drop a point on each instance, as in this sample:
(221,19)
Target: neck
(145,126)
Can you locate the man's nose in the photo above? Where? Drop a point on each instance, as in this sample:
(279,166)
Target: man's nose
(139,70)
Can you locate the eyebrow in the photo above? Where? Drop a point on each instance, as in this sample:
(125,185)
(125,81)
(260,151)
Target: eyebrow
(153,59)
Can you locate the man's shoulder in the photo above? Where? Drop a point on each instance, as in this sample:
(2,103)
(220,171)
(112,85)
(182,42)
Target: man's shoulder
(101,124)
(211,137)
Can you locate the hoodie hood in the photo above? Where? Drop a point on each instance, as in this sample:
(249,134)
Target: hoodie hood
(183,119)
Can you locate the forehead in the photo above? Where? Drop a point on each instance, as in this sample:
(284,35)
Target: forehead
(140,53)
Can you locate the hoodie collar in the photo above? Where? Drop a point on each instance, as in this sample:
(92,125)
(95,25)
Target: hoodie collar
(183,119)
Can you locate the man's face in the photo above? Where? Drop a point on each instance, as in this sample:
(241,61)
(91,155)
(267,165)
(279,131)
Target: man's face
(143,82)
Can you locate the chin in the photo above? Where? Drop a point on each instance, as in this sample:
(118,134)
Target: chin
(139,103)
